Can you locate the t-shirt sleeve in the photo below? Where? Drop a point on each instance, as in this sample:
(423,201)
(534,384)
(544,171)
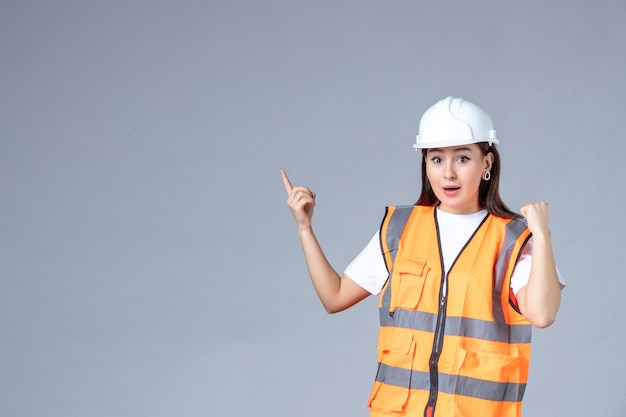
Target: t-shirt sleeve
(521,273)
(368,269)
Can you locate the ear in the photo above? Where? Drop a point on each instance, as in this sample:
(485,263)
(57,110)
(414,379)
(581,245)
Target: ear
(488,161)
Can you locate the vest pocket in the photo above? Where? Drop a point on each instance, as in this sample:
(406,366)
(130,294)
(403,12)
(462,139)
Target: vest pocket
(393,381)
(486,380)
(407,283)
(485,365)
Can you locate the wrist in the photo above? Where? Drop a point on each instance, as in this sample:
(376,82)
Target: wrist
(306,229)
(543,235)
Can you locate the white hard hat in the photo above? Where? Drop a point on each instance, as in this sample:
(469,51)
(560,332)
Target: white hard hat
(454,121)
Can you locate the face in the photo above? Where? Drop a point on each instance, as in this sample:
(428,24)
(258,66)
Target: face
(455,173)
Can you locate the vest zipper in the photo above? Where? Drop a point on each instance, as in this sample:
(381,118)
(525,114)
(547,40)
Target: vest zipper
(437,348)
(433,363)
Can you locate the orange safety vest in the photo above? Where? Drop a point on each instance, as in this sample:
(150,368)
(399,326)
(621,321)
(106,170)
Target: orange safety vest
(450,344)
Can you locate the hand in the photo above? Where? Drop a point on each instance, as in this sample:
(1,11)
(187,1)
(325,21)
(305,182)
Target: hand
(300,200)
(537,215)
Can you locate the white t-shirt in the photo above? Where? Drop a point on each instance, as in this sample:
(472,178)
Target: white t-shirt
(369,271)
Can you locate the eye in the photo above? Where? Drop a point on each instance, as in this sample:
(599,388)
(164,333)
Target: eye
(463,159)
(435,159)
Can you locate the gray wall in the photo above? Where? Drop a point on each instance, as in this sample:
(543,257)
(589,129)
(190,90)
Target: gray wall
(149,265)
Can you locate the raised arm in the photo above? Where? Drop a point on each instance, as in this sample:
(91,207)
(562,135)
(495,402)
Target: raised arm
(540,299)
(336,293)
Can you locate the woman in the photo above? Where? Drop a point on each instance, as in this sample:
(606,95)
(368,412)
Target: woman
(461,280)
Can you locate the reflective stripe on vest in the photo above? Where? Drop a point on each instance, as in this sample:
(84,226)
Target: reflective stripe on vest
(463,353)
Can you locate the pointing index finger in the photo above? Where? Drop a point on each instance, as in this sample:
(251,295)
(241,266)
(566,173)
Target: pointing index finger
(286,182)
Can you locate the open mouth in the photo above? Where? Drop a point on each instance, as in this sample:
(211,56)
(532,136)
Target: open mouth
(451,191)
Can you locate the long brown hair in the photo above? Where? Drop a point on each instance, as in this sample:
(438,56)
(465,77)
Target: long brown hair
(488,191)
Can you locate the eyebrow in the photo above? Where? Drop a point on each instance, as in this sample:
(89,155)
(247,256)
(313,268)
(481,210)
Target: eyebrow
(460,149)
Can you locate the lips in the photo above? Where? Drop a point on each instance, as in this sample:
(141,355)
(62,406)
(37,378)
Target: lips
(450,190)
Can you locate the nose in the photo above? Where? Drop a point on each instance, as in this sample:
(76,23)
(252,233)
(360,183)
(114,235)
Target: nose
(449,172)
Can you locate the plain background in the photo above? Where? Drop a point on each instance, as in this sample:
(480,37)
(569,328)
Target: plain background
(149,264)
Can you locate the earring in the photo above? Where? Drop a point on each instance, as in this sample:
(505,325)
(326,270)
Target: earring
(487,175)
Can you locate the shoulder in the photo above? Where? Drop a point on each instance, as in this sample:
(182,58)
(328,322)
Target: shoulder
(512,223)
(408,209)
(398,216)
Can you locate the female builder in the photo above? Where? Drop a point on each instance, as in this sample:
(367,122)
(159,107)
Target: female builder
(461,280)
